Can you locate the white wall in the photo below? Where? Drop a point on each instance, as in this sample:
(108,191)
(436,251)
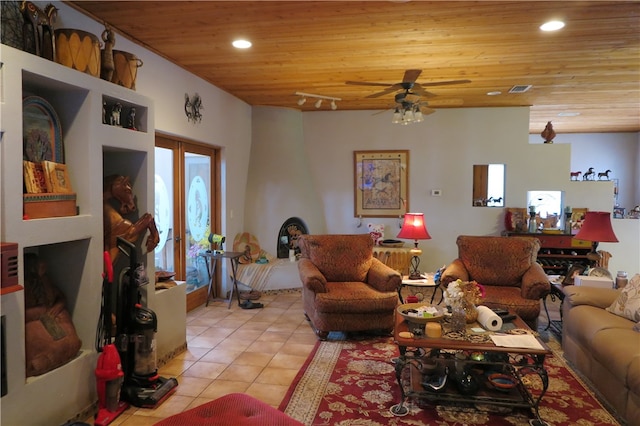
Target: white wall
(442,151)
(618,152)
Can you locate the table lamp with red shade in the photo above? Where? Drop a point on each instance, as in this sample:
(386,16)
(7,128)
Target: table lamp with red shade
(596,228)
(414,228)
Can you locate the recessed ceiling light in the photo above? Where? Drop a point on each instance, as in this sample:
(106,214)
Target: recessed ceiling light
(552,26)
(568,114)
(494,93)
(241,44)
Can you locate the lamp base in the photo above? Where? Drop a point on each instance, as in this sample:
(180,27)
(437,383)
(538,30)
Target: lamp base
(414,273)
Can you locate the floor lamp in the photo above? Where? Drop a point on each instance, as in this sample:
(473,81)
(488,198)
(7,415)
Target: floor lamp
(414,228)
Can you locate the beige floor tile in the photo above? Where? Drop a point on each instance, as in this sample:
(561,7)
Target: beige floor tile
(257,359)
(241,373)
(267,393)
(256,325)
(195,330)
(249,335)
(198,402)
(221,356)
(265,347)
(205,342)
(272,336)
(234,344)
(218,332)
(300,349)
(192,386)
(207,370)
(175,367)
(277,376)
(192,353)
(288,361)
(223,387)
(173,405)
(137,420)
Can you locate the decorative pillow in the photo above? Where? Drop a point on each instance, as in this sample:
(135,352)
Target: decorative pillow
(627,305)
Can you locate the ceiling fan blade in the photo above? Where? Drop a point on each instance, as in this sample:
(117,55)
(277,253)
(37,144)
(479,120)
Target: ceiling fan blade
(367,83)
(382,112)
(410,76)
(445,83)
(427,110)
(446,102)
(384,92)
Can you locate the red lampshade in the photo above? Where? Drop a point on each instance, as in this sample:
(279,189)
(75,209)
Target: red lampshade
(414,228)
(597,227)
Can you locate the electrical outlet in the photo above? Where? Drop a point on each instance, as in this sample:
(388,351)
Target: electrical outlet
(436,192)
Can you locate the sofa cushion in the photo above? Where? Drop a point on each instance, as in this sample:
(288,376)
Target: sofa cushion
(616,349)
(593,296)
(627,304)
(584,322)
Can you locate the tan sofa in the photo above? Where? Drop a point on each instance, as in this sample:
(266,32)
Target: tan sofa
(603,347)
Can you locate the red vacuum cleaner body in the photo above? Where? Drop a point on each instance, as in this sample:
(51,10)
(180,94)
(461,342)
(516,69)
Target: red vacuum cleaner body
(109,378)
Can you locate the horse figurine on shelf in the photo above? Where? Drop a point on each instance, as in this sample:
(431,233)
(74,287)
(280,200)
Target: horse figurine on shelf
(40,22)
(118,200)
(604,175)
(589,175)
(575,175)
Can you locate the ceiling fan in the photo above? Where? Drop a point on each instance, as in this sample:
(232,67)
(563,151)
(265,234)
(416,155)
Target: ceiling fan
(409,108)
(408,84)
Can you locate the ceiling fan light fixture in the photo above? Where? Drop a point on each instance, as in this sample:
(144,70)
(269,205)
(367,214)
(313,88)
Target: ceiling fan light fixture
(553,25)
(397,117)
(418,117)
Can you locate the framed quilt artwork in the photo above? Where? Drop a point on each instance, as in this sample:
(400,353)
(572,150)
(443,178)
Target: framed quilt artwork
(381,184)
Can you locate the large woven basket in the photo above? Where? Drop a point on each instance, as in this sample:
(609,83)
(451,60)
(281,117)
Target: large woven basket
(79,50)
(125,69)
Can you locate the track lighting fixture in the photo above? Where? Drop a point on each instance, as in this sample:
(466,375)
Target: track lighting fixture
(318,103)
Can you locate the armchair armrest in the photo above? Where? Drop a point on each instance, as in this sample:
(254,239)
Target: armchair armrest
(311,276)
(593,296)
(535,283)
(382,277)
(455,271)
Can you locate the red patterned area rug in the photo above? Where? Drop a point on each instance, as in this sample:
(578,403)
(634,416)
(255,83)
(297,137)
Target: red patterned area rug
(353,382)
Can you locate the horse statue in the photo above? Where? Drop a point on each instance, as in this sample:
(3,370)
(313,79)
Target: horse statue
(118,200)
(589,174)
(41,23)
(575,175)
(604,175)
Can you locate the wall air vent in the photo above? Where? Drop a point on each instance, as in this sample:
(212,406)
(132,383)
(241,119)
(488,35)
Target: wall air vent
(519,88)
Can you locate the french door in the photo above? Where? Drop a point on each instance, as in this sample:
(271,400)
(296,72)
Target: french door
(187,195)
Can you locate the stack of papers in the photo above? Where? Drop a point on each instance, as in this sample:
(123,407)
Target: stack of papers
(527,341)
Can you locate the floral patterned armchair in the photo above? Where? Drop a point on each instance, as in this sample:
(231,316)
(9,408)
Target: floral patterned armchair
(507,268)
(344,288)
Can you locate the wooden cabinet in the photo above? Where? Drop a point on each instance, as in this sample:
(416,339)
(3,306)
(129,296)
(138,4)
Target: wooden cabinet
(71,245)
(558,252)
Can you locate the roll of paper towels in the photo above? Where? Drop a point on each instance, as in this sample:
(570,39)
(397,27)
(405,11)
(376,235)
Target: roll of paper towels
(489,319)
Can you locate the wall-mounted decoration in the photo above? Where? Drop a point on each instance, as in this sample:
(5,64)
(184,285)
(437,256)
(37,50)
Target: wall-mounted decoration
(381,184)
(618,212)
(41,131)
(192,107)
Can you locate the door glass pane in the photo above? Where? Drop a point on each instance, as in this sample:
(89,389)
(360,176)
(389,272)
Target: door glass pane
(197,173)
(163,215)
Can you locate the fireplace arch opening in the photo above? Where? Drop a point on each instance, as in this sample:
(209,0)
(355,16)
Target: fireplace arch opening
(288,236)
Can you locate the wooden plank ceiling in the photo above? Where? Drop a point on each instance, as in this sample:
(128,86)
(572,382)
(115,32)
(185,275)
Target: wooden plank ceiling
(590,67)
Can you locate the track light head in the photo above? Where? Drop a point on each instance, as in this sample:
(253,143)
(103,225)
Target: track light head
(302,100)
(318,103)
(333,105)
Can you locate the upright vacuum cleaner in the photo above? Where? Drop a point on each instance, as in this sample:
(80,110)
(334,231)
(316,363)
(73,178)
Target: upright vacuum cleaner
(136,327)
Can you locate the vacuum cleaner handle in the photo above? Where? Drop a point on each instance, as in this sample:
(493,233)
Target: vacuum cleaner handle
(128,248)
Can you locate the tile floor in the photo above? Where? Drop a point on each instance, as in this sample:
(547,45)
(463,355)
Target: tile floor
(257,352)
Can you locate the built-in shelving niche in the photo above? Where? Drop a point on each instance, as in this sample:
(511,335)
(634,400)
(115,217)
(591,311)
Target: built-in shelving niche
(71,107)
(140,113)
(65,264)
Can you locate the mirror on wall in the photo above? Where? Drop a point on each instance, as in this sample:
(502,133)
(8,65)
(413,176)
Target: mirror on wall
(488,185)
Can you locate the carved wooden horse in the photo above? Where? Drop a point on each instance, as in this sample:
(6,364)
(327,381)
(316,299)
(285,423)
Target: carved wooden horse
(118,200)
(41,23)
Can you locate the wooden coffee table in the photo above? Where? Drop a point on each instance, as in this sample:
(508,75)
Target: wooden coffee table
(434,360)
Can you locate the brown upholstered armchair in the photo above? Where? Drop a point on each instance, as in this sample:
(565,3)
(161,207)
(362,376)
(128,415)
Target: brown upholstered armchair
(507,268)
(344,288)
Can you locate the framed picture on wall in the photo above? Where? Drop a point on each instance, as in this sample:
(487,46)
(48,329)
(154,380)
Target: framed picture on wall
(381,185)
